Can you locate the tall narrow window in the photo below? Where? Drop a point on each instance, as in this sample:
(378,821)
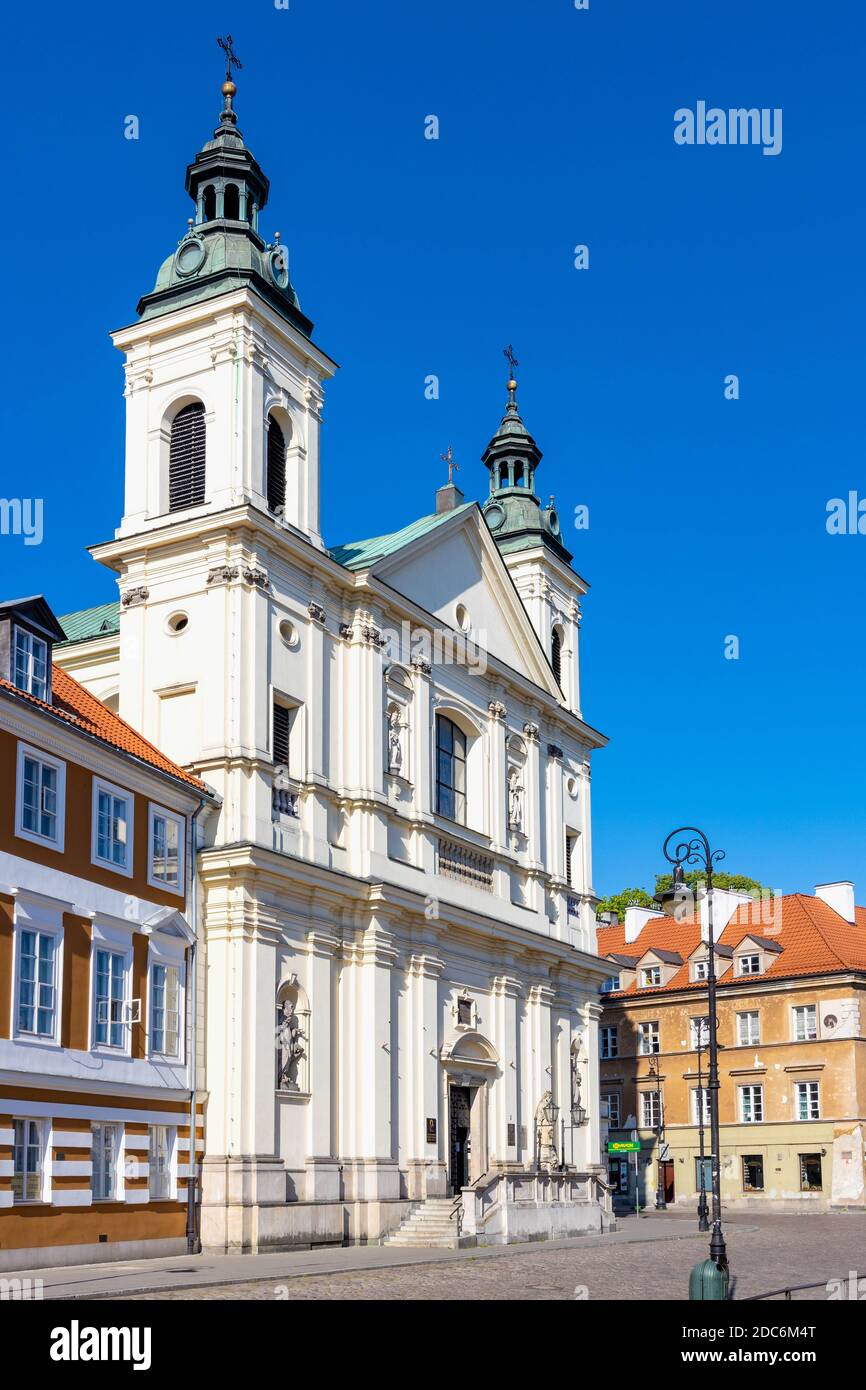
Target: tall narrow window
(165,1010)
(282,729)
(159,1167)
(112,829)
(106,1145)
(276,467)
(166,848)
(570,846)
(39,803)
(26,1161)
(186,462)
(450,770)
(36,984)
(110,995)
(556,655)
(231,202)
(30,666)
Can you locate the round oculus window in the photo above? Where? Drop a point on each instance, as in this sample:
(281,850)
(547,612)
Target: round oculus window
(177,623)
(278,264)
(495,516)
(190,256)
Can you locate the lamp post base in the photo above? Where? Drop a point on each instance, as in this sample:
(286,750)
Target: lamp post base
(703,1213)
(718,1251)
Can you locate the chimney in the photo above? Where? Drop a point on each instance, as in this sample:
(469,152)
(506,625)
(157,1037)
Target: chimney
(725,904)
(447,498)
(636,919)
(839,896)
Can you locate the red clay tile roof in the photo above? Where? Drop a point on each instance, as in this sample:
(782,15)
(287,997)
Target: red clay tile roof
(76,706)
(814,939)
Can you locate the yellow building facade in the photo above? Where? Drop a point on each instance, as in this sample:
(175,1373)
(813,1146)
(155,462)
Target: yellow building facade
(792,1056)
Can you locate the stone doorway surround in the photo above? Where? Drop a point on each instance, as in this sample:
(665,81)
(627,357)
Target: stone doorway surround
(469,1060)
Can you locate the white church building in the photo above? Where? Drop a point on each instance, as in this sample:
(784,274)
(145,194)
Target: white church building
(398,996)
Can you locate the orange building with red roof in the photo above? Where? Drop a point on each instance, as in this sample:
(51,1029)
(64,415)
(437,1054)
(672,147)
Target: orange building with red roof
(792,1059)
(97,960)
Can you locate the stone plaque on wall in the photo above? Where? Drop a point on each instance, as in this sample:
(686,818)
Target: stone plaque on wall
(431,1131)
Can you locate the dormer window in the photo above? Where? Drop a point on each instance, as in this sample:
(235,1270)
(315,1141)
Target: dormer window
(701,970)
(30,664)
(749,965)
(610,985)
(651,976)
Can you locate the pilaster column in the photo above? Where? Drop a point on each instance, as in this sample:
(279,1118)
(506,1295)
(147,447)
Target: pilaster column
(422,753)
(428,1163)
(496,714)
(323,1177)
(534,794)
(541,1077)
(369,1055)
(505,1100)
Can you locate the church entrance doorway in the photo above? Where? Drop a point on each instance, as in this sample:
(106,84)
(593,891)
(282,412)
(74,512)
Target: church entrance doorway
(460,1112)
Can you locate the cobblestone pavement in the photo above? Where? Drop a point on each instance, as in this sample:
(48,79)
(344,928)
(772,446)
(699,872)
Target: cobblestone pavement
(765,1252)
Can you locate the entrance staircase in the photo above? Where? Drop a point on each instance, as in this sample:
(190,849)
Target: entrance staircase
(431,1223)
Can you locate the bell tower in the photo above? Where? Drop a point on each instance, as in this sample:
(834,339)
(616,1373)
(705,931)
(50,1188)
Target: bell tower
(223,381)
(529,538)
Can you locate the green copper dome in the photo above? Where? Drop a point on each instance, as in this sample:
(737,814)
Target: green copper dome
(513,510)
(223,250)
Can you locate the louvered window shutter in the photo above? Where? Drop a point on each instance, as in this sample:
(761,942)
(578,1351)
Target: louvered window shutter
(276,467)
(556,657)
(281,735)
(186,464)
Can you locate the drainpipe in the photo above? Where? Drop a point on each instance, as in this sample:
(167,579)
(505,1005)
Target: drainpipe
(193,1241)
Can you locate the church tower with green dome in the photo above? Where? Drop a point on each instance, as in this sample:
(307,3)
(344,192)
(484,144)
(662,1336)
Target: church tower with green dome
(528,535)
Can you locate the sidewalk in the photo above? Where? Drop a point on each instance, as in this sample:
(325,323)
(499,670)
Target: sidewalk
(111,1279)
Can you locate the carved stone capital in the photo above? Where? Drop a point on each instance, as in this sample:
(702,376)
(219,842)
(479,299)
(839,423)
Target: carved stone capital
(133,597)
(531,732)
(255,576)
(222,574)
(316,612)
(497,711)
(346,631)
(372,635)
(421,665)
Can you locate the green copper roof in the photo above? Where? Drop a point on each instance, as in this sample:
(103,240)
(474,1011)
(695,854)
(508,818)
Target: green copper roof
(360,555)
(90,622)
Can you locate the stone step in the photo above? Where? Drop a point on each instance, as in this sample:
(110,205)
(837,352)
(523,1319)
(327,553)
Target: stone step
(428,1241)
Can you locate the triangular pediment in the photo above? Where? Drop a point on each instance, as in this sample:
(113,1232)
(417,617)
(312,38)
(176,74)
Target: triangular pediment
(455,572)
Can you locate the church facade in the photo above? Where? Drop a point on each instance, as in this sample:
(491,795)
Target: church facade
(398,993)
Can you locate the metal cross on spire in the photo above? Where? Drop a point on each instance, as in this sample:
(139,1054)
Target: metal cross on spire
(232,59)
(512,360)
(452,465)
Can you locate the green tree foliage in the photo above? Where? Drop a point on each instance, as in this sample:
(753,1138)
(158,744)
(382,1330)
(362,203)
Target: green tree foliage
(738,883)
(618,902)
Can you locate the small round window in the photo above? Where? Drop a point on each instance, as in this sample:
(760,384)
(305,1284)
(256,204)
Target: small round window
(177,623)
(464,622)
(288,633)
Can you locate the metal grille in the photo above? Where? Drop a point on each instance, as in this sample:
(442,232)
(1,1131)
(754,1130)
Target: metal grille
(186,465)
(468,865)
(276,467)
(281,735)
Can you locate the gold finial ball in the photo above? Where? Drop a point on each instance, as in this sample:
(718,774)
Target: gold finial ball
(512,385)
(228,89)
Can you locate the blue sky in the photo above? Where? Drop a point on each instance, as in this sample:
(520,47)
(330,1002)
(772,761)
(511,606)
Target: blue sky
(707,516)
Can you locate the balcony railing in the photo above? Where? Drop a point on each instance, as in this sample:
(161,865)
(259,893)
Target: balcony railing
(285,796)
(466,865)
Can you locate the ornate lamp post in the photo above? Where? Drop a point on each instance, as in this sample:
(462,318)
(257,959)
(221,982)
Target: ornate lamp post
(691,846)
(661,1204)
(703,1209)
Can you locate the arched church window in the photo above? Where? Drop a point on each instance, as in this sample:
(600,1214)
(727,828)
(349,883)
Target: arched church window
(556,655)
(450,770)
(232,202)
(186,462)
(518,475)
(209,204)
(276,467)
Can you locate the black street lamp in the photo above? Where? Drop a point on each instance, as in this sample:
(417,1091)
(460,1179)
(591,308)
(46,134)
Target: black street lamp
(703,1209)
(661,1204)
(691,846)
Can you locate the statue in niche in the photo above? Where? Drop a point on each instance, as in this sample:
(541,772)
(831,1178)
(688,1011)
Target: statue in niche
(395,742)
(290,1047)
(515,801)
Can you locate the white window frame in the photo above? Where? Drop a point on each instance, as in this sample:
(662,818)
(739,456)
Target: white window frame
(804,1090)
(608,1033)
(796,1010)
(26,751)
(741,963)
(651,976)
(613,1099)
(748,1041)
(39,927)
(705,1093)
(124,951)
(115,1171)
(31,640)
(100,785)
(166,962)
(655,1119)
(153,811)
(644,1033)
(43,1130)
(170,1167)
(610,985)
(700,970)
(754,1091)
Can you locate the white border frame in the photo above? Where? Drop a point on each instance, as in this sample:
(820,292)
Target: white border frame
(100,784)
(153,809)
(26,750)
